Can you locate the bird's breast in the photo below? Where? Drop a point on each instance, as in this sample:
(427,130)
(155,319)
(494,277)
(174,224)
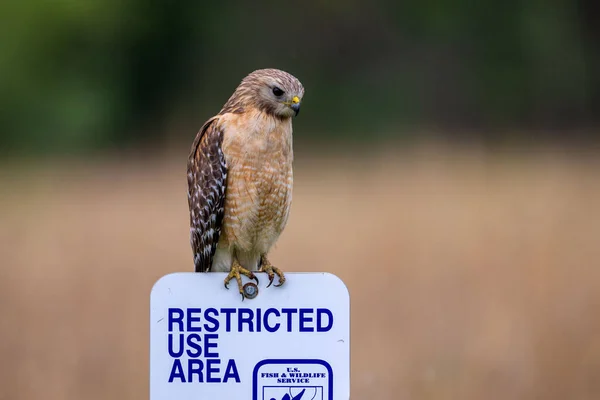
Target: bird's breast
(259,189)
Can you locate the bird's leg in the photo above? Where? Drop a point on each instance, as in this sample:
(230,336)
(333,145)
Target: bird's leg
(236,272)
(265,266)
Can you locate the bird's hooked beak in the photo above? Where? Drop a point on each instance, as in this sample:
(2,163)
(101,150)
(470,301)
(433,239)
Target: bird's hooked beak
(295,104)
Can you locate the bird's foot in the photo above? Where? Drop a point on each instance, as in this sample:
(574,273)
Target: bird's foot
(236,272)
(271,271)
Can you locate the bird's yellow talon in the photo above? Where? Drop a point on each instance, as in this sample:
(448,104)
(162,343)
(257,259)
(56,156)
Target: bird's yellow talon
(236,272)
(271,271)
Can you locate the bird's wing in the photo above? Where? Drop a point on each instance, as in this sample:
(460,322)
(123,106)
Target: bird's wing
(207,181)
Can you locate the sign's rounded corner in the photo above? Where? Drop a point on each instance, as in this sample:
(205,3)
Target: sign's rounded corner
(339,280)
(161,280)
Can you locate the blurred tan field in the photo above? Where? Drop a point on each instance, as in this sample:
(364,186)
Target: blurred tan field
(472,275)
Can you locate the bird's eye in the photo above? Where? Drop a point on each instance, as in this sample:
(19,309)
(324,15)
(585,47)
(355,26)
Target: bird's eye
(277,92)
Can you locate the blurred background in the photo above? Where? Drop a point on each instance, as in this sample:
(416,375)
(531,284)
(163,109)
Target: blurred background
(446,169)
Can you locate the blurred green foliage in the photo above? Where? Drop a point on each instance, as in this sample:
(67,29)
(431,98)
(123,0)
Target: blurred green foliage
(91,74)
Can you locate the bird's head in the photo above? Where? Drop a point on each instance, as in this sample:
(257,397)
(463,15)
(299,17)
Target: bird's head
(272,91)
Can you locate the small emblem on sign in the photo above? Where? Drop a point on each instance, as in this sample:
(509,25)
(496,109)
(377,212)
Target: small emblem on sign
(293,380)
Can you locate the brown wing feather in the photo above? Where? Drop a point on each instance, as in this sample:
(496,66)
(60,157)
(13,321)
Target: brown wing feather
(207,181)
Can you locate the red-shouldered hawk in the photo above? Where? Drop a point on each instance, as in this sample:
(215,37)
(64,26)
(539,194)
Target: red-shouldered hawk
(240,177)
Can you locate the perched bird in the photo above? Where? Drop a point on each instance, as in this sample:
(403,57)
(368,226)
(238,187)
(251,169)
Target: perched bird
(239,176)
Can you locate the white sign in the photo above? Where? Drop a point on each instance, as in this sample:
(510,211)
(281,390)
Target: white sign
(287,343)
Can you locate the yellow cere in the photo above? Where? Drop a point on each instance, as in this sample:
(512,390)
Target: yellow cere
(295,100)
